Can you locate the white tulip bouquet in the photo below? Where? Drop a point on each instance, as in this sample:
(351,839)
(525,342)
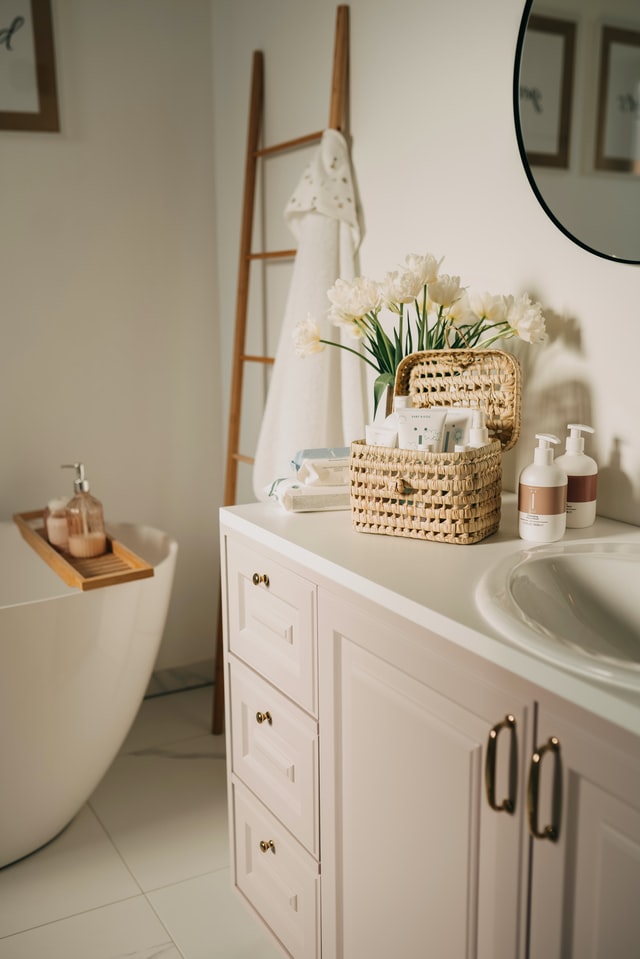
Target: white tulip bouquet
(433,310)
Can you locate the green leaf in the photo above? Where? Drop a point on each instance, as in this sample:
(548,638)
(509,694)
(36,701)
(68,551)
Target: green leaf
(379,387)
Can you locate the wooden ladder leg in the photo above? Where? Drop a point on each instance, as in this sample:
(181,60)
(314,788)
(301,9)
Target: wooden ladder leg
(244,266)
(340,79)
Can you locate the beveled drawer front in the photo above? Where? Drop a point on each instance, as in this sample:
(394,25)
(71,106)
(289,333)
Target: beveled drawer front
(278,877)
(275,752)
(272,622)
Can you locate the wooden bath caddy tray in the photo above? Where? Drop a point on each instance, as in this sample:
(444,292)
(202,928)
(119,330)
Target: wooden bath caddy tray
(117,565)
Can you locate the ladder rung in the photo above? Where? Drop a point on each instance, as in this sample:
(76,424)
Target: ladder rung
(289,144)
(272,255)
(248,358)
(239,458)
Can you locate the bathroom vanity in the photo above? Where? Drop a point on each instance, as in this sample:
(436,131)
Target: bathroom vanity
(402,780)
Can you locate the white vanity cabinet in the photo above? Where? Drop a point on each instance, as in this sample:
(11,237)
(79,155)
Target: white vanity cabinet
(385,777)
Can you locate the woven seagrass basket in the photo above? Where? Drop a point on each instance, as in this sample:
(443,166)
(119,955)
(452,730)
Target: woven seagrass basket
(446,497)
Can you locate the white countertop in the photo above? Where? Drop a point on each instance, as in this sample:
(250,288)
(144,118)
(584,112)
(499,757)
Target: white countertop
(433,585)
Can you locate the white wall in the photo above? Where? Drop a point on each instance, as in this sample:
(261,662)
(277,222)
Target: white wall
(115,333)
(108,345)
(437,168)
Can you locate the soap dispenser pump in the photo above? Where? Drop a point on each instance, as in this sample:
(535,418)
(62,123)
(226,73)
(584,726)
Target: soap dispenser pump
(85,519)
(582,473)
(542,495)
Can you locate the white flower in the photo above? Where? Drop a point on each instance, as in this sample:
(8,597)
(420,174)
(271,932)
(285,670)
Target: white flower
(526,319)
(489,306)
(306,337)
(352,300)
(401,287)
(445,290)
(460,312)
(425,267)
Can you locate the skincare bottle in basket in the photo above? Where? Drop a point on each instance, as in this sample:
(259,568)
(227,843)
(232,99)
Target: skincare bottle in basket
(582,472)
(542,495)
(478,433)
(85,519)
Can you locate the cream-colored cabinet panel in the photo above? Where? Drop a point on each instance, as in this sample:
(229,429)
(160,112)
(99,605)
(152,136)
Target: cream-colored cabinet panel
(415,861)
(272,621)
(275,752)
(277,876)
(585,885)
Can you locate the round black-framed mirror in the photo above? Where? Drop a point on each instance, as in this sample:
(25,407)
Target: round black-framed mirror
(565,78)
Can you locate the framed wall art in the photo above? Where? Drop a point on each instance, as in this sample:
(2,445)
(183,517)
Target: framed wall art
(546,90)
(618,121)
(28,91)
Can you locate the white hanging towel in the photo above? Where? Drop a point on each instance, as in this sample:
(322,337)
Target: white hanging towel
(318,401)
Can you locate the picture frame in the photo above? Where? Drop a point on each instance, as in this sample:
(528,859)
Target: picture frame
(546,90)
(28,89)
(618,116)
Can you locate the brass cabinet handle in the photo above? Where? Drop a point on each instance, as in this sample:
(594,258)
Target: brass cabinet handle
(508,804)
(268,844)
(258,578)
(264,717)
(552,830)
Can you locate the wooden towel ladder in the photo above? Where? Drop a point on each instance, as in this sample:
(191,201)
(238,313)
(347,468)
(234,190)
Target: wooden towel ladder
(337,121)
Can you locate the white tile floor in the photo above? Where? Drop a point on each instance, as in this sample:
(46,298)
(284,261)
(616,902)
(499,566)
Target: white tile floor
(143,871)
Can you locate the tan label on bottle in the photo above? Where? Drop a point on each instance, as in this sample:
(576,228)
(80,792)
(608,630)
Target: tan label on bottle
(542,500)
(582,489)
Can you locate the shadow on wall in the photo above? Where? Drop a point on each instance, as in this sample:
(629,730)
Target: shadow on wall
(557,392)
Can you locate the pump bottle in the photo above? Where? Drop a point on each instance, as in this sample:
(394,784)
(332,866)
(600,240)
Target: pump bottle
(85,519)
(582,473)
(478,433)
(542,495)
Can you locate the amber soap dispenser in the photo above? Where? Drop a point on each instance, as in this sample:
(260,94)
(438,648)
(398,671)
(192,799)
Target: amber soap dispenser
(85,518)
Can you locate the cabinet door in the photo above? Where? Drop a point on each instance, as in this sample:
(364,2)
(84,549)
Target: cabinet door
(585,894)
(415,863)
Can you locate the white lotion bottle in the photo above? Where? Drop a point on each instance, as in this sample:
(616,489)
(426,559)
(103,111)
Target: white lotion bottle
(582,473)
(542,495)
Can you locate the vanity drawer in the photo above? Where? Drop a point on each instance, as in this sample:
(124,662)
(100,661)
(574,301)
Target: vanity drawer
(272,622)
(274,747)
(278,877)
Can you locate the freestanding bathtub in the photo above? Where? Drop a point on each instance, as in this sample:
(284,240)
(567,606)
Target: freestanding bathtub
(74,667)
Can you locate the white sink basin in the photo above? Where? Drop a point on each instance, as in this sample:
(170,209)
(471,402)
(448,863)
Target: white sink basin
(574,604)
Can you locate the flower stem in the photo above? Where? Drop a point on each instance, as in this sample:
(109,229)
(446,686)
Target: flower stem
(341,346)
